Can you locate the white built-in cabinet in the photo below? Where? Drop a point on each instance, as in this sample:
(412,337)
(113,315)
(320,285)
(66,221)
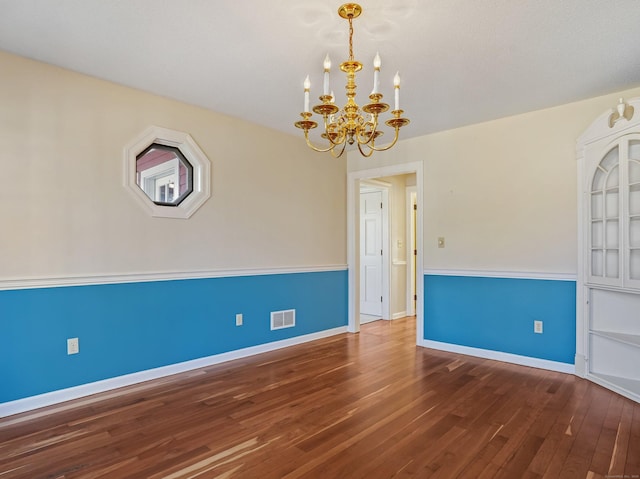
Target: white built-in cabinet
(608,286)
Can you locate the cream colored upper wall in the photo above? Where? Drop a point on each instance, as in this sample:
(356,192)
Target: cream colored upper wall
(502,193)
(65,212)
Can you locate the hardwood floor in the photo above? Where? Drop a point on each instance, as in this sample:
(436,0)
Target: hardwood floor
(371,405)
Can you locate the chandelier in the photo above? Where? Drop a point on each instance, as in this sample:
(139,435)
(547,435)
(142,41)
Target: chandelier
(351,124)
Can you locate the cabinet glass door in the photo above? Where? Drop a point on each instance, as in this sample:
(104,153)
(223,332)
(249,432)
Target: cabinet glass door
(633,199)
(605,220)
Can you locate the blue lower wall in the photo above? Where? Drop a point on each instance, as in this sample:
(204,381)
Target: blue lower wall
(131,327)
(498,314)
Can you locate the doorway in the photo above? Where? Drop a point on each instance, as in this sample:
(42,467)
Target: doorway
(374,238)
(355,180)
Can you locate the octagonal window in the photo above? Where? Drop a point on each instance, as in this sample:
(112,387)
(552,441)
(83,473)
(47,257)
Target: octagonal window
(167,172)
(164,174)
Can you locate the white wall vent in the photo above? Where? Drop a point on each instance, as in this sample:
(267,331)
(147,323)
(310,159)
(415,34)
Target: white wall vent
(283,319)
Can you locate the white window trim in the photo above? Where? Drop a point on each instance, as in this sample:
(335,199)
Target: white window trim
(194,155)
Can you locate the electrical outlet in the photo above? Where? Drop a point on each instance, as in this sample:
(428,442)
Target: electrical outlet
(537,327)
(73,346)
(238,319)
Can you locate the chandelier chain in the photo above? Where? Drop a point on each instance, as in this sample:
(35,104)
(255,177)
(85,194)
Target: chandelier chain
(350,38)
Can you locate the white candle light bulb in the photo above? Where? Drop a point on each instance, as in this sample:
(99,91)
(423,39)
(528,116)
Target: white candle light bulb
(396,85)
(327,63)
(327,69)
(307,88)
(376,71)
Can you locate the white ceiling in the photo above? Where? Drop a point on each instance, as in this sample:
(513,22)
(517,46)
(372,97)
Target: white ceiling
(461,61)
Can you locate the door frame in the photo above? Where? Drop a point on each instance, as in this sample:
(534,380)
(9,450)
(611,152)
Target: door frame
(353,240)
(411,245)
(383,187)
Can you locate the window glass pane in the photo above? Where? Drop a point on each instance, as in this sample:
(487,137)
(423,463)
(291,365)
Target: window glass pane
(598,180)
(611,231)
(164,174)
(612,263)
(612,178)
(634,232)
(596,205)
(634,171)
(634,264)
(596,234)
(634,149)
(610,160)
(596,262)
(634,200)
(612,204)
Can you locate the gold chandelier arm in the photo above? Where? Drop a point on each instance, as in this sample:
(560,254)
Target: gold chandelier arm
(366,139)
(373,148)
(363,153)
(390,145)
(333,153)
(315,148)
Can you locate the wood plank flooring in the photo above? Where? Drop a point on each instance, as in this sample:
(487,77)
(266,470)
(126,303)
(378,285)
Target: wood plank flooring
(371,405)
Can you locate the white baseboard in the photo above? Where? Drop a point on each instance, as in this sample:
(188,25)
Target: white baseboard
(399,315)
(581,365)
(62,395)
(500,356)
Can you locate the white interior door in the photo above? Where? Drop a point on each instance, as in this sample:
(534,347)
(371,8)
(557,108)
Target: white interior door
(371,253)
